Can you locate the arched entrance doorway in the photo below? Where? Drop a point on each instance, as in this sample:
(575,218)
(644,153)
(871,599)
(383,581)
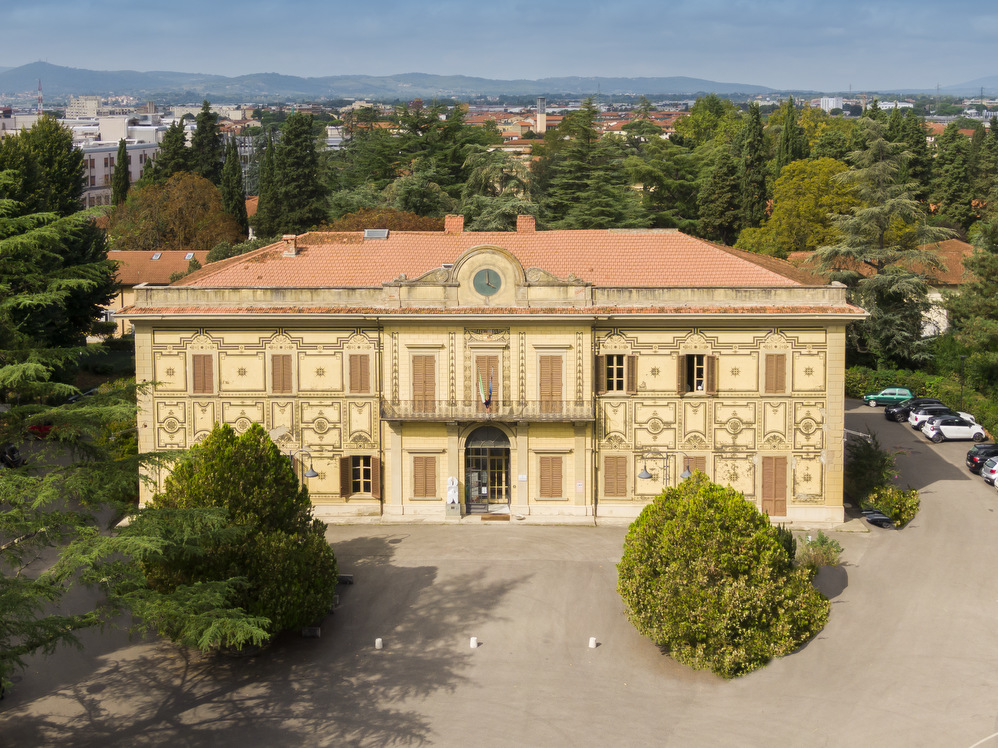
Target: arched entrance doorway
(486,471)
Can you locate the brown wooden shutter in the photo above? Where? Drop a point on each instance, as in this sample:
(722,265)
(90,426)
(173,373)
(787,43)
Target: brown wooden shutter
(360,373)
(424,383)
(550,383)
(418,476)
(776,373)
(631,372)
(615,476)
(774,486)
(376,477)
(681,374)
(280,372)
(600,374)
(346,477)
(550,477)
(695,463)
(203,380)
(711,365)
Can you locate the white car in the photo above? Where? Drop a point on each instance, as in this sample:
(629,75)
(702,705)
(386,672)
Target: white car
(919,416)
(953,427)
(989,470)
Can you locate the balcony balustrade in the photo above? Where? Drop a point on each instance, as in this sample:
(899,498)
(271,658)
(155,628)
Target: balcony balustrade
(497,410)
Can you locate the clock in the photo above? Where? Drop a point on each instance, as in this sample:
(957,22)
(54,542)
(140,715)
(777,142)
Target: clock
(487,282)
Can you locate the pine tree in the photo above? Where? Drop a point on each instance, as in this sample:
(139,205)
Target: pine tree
(292,191)
(121,178)
(233,196)
(884,235)
(753,170)
(953,183)
(207,150)
(174,156)
(719,197)
(47,169)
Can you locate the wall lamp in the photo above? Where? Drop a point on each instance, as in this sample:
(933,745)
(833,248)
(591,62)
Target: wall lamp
(654,454)
(310,473)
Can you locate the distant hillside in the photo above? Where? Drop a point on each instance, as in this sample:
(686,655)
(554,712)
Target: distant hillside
(62,82)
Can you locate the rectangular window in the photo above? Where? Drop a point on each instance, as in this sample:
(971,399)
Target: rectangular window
(203,380)
(280,373)
(360,474)
(93,181)
(360,373)
(550,477)
(697,373)
(424,383)
(549,383)
(693,464)
(776,373)
(615,476)
(105,162)
(424,477)
(616,372)
(774,486)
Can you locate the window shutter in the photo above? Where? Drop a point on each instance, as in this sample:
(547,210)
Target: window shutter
(346,479)
(360,373)
(711,364)
(600,374)
(424,384)
(774,486)
(631,372)
(776,373)
(781,374)
(280,372)
(550,378)
(550,469)
(376,477)
(419,476)
(615,476)
(203,379)
(681,374)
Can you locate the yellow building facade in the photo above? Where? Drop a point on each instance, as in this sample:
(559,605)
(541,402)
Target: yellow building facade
(555,375)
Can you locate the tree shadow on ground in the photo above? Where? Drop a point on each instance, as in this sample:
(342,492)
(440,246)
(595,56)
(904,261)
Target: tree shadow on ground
(336,690)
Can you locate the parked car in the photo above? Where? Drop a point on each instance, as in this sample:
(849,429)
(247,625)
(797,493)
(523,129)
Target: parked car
(878,518)
(989,470)
(979,454)
(39,430)
(11,457)
(923,413)
(888,396)
(899,412)
(953,427)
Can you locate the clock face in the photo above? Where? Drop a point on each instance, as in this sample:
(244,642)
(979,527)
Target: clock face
(487,282)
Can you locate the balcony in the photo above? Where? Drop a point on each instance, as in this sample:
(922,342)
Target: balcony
(499,410)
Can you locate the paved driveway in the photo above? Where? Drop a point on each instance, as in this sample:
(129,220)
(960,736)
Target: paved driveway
(907,659)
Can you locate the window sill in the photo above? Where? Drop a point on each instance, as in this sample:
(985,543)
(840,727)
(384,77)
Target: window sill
(550,498)
(425,498)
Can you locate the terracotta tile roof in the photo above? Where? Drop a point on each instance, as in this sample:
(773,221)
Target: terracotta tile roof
(951,253)
(605,258)
(140,267)
(783,311)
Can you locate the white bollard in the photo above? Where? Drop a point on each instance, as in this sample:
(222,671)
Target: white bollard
(474,642)
(378,644)
(592,642)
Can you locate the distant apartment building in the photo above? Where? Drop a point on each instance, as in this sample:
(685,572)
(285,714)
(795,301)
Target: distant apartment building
(80,107)
(828,103)
(98,168)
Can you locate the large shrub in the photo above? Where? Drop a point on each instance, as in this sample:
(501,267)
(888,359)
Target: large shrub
(868,467)
(704,575)
(900,506)
(272,541)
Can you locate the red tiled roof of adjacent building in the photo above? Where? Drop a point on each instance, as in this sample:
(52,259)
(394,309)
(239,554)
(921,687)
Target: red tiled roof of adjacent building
(951,253)
(605,258)
(136,267)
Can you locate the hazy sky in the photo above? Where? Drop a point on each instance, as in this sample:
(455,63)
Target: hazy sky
(784,44)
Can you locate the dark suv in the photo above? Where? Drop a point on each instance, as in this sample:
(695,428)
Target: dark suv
(979,454)
(899,412)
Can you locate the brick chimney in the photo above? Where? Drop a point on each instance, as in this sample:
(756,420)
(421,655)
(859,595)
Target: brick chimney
(453,224)
(525,224)
(290,245)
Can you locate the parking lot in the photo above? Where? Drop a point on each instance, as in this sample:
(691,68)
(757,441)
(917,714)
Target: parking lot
(908,657)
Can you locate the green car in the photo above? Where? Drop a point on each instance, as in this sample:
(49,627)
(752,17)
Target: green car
(888,396)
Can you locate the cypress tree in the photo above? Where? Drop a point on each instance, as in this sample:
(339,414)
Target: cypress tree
(207,150)
(267,211)
(121,179)
(793,144)
(951,188)
(173,156)
(296,186)
(753,171)
(233,195)
(719,198)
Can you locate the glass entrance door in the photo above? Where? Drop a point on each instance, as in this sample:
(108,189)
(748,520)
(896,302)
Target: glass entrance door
(486,478)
